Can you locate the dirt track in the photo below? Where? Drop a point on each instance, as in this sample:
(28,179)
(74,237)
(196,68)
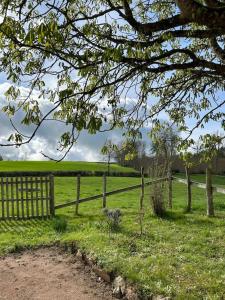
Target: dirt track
(49,274)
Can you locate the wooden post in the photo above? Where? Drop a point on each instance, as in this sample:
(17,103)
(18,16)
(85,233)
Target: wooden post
(142,188)
(17,198)
(52,196)
(189,200)
(209,191)
(7,197)
(32,196)
(170,188)
(12,197)
(27,196)
(42,197)
(104,191)
(3,198)
(150,188)
(78,194)
(22,196)
(46,197)
(37,196)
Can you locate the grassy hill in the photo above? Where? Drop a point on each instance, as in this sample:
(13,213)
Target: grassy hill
(60,166)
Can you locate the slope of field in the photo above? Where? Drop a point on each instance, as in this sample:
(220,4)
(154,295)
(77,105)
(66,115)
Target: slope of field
(59,166)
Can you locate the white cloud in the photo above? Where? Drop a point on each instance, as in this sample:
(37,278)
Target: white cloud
(87,148)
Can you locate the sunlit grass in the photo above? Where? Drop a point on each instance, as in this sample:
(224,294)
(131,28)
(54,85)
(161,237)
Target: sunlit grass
(181,255)
(218,180)
(59,166)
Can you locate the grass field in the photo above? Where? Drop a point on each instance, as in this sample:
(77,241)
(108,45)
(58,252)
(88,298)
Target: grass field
(60,166)
(181,255)
(218,180)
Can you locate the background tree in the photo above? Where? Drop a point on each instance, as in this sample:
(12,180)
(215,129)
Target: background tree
(164,146)
(187,158)
(99,52)
(209,150)
(108,150)
(164,143)
(132,153)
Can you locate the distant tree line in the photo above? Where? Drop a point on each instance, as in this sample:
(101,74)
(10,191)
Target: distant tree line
(137,153)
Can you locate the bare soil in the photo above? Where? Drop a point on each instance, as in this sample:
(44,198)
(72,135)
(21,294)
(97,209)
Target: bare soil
(49,273)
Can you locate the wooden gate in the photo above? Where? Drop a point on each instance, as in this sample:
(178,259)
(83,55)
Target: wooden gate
(25,197)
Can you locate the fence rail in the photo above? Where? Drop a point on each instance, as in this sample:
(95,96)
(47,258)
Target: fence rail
(126,189)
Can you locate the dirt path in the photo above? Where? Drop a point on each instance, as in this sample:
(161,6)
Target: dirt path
(49,274)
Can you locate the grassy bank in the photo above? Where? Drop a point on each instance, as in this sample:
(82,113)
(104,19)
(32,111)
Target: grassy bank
(59,166)
(181,255)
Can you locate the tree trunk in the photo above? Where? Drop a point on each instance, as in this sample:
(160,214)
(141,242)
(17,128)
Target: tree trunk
(189,200)
(142,188)
(170,204)
(209,191)
(108,164)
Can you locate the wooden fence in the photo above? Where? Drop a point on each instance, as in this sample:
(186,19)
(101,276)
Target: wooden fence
(105,194)
(25,197)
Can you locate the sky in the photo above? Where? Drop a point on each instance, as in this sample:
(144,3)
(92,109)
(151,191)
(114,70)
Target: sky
(87,148)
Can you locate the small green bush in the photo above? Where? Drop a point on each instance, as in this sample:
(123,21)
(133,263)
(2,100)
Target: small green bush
(60,225)
(112,218)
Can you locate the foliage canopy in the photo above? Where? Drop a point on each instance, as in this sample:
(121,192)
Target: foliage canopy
(166,55)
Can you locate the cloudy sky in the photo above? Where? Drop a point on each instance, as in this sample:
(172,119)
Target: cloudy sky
(87,148)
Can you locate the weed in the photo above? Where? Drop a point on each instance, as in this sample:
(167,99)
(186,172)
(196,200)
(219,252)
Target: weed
(112,219)
(60,225)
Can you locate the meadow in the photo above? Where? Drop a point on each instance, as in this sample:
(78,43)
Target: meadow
(181,255)
(218,180)
(59,166)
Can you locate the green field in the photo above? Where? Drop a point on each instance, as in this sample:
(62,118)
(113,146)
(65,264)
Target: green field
(59,166)
(181,255)
(218,180)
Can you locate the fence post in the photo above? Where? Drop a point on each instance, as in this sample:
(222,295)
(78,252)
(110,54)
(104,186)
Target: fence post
(189,200)
(209,191)
(78,193)
(142,188)
(170,187)
(104,191)
(52,196)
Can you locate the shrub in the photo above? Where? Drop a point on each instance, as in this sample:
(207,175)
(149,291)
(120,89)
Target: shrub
(60,225)
(157,189)
(112,218)
(157,200)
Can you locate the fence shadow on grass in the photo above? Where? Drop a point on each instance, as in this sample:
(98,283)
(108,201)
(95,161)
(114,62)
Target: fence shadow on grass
(20,226)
